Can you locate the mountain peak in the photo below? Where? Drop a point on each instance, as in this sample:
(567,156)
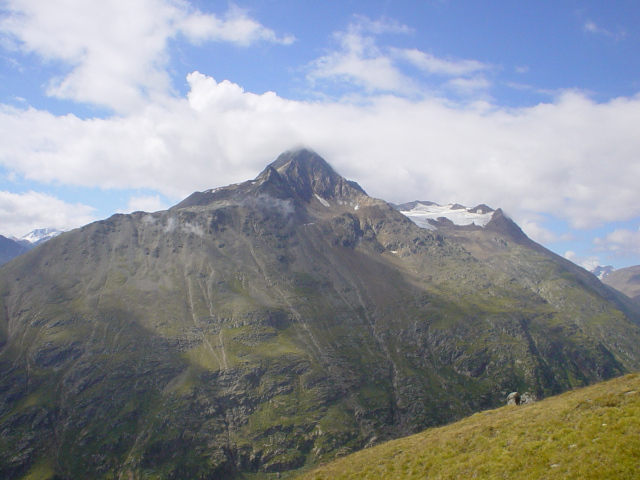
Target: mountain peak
(299,174)
(308,174)
(603,271)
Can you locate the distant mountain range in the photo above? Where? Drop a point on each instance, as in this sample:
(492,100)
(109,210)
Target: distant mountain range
(262,327)
(37,237)
(11,247)
(603,272)
(625,280)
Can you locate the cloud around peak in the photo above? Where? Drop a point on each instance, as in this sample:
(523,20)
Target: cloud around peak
(545,159)
(431,135)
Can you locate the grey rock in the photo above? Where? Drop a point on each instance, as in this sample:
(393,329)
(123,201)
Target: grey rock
(513,398)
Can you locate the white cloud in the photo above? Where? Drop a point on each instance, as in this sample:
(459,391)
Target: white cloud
(116,62)
(145,203)
(362,24)
(588,263)
(438,66)
(361,62)
(236,27)
(469,86)
(562,158)
(540,234)
(591,27)
(620,242)
(22,212)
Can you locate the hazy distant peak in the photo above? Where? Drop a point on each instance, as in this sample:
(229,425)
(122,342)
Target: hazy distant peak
(40,234)
(602,272)
(37,236)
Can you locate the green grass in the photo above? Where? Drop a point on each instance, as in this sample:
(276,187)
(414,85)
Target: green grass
(591,433)
(42,470)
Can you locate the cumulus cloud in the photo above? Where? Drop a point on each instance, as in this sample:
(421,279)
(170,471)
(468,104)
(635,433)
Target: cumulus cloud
(588,263)
(591,27)
(115,62)
(145,203)
(439,66)
(22,212)
(560,158)
(360,61)
(540,234)
(621,242)
(236,27)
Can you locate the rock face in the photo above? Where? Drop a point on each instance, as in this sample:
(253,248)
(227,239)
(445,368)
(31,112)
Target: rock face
(280,322)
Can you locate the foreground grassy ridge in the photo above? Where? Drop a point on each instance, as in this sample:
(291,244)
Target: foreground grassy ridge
(593,433)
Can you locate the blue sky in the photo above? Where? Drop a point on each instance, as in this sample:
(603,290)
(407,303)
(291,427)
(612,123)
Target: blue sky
(129,105)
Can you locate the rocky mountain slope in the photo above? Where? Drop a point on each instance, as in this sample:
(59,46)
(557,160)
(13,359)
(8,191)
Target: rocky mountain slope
(582,434)
(277,323)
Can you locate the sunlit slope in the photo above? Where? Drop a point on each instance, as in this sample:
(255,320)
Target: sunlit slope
(593,433)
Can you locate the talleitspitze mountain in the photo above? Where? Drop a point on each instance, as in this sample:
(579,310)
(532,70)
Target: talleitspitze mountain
(280,322)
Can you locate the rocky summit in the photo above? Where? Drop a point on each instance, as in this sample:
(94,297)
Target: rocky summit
(274,324)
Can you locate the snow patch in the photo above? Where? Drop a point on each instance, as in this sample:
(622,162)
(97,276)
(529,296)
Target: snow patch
(40,234)
(421,213)
(322,200)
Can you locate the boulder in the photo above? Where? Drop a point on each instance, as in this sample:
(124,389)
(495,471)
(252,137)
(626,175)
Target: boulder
(513,398)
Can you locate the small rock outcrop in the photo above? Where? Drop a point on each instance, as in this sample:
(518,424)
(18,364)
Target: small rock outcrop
(513,398)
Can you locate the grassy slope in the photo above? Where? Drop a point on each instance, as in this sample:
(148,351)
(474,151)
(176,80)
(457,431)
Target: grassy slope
(593,432)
